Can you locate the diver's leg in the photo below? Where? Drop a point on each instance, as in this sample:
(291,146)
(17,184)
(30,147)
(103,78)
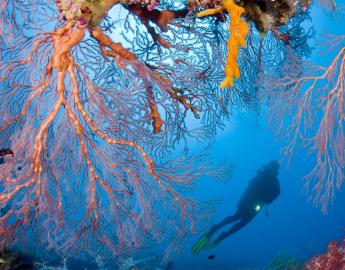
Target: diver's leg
(238,226)
(224,222)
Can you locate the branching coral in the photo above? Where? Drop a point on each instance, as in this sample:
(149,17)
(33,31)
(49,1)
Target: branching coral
(82,176)
(307,105)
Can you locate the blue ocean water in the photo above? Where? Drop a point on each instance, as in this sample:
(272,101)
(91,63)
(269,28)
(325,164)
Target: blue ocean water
(292,226)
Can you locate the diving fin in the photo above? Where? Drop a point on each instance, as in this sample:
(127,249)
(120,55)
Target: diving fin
(200,244)
(211,245)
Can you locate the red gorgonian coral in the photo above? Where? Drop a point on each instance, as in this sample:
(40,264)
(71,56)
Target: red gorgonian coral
(307,105)
(82,176)
(333,259)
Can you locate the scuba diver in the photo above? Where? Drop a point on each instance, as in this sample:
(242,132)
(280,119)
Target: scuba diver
(262,190)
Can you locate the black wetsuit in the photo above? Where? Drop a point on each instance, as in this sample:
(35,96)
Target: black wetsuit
(262,190)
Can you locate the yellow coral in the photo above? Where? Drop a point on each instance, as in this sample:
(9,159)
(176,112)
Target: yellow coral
(238,32)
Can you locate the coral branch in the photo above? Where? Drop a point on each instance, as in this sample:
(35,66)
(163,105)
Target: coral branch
(308,106)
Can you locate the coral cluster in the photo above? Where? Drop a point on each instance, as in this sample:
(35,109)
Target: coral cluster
(92,12)
(84,11)
(333,259)
(269,14)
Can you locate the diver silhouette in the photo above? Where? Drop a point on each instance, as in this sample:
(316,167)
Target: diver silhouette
(262,190)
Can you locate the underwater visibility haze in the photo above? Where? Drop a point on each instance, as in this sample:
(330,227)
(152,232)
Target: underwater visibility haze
(162,134)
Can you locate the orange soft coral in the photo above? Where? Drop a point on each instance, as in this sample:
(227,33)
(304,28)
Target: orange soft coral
(238,32)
